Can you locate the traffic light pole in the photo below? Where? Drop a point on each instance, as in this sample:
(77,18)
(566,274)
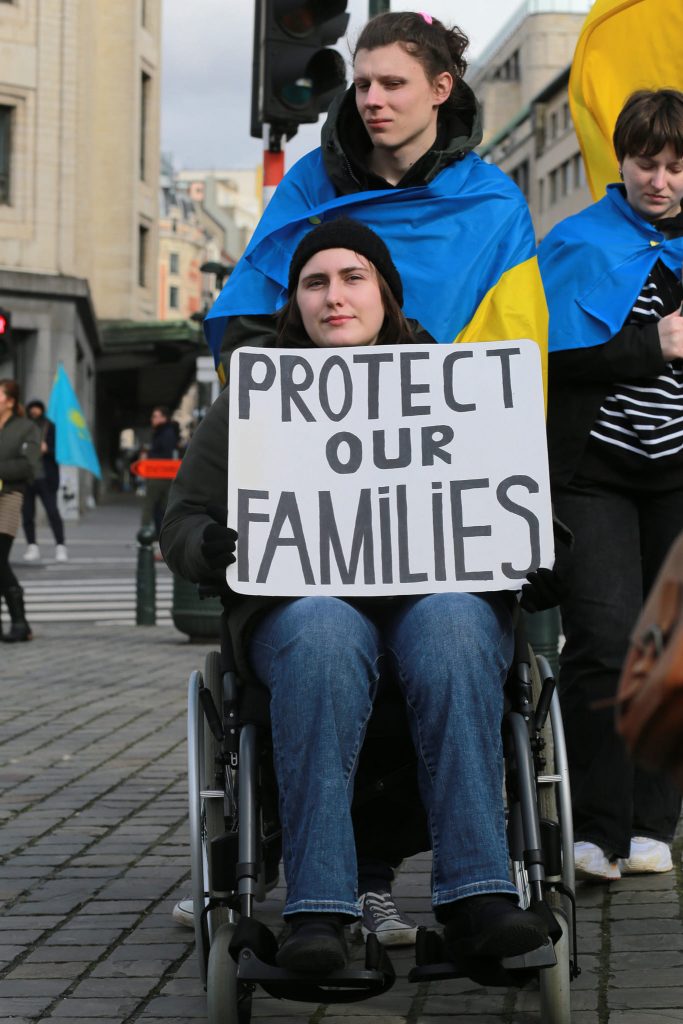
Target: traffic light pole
(273,161)
(377,7)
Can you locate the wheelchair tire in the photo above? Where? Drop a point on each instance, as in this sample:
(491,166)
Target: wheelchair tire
(228,1001)
(214,820)
(555,981)
(195,772)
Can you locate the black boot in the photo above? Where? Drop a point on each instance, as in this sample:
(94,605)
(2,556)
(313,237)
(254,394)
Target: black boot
(20,629)
(315,944)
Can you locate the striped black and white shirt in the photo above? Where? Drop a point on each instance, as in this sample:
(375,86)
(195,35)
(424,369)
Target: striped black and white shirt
(645,417)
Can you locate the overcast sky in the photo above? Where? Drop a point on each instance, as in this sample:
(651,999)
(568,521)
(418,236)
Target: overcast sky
(206,74)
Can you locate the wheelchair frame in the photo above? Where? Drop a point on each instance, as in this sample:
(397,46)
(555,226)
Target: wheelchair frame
(228,841)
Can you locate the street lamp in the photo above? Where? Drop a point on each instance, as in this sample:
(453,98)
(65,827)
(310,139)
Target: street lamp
(221,271)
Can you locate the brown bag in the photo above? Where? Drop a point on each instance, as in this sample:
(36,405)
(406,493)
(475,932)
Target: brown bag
(650,694)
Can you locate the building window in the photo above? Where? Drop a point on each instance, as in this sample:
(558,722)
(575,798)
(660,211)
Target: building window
(541,195)
(143,255)
(173,297)
(173,263)
(143,13)
(5,154)
(553,125)
(566,117)
(564,178)
(553,187)
(509,71)
(579,176)
(145,88)
(520,176)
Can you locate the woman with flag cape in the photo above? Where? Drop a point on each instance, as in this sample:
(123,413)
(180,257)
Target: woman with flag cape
(612,276)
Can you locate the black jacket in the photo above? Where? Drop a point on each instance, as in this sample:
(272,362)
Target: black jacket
(19,453)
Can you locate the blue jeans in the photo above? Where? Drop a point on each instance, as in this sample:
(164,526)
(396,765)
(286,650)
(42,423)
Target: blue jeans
(321,659)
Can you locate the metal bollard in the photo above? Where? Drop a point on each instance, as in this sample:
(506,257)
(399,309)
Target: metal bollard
(146,581)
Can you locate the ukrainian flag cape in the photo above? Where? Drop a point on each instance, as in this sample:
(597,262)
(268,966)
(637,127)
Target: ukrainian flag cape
(464,245)
(593,266)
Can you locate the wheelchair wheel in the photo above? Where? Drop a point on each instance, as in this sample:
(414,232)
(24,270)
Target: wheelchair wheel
(205,811)
(228,1001)
(555,981)
(554,804)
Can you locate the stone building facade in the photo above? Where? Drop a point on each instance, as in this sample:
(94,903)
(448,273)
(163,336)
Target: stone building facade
(521,80)
(79,174)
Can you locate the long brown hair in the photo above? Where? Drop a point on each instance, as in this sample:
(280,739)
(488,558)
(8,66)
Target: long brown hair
(395,329)
(11,389)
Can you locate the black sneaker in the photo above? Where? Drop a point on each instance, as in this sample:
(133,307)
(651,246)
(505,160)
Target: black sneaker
(315,944)
(492,925)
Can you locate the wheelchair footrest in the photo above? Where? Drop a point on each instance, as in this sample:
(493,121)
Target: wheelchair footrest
(433,965)
(345,986)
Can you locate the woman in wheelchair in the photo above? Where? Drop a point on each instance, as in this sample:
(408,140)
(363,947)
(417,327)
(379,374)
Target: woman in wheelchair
(322,660)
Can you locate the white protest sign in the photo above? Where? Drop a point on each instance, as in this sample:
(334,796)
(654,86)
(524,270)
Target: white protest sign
(406,469)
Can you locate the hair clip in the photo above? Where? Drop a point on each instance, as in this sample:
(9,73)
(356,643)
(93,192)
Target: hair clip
(427,17)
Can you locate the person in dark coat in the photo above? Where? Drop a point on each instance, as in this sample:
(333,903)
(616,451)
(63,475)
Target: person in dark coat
(19,456)
(322,659)
(612,275)
(164,445)
(45,487)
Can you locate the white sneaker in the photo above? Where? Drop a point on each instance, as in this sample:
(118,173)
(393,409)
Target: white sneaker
(32,553)
(61,554)
(646,856)
(183,913)
(592,865)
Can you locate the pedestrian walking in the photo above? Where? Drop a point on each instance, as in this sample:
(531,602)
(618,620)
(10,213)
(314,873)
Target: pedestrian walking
(45,486)
(19,458)
(612,275)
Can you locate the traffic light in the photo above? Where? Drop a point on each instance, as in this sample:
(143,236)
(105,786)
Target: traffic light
(295,75)
(5,331)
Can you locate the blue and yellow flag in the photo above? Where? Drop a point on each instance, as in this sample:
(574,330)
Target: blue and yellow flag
(463,244)
(594,265)
(73,443)
(624,45)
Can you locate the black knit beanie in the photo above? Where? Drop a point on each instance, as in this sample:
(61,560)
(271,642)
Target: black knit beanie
(345,233)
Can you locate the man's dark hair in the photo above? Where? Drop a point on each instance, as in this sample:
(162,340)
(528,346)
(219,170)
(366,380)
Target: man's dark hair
(164,410)
(436,47)
(649,120)
(36,403)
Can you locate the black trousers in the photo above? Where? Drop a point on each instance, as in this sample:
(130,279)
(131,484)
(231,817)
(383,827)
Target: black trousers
(621,540)
(7,578)
(48,496)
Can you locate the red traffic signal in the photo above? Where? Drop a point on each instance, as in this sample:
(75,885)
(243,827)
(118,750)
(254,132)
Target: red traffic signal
(5,323)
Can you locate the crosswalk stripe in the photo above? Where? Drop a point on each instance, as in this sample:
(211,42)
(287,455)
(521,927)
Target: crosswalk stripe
(102,601)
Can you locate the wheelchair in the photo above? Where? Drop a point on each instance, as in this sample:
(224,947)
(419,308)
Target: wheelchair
(235,848)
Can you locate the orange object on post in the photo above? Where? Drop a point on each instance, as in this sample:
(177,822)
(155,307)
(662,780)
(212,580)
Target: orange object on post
(155,469)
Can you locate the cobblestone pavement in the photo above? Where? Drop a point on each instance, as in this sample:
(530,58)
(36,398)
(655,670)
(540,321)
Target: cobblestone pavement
(94,852)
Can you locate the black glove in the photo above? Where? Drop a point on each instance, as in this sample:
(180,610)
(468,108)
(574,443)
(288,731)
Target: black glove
(218,540)
(546,588)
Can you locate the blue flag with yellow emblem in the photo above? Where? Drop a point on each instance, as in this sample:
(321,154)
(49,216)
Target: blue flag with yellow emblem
(463,244)
(73,443)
